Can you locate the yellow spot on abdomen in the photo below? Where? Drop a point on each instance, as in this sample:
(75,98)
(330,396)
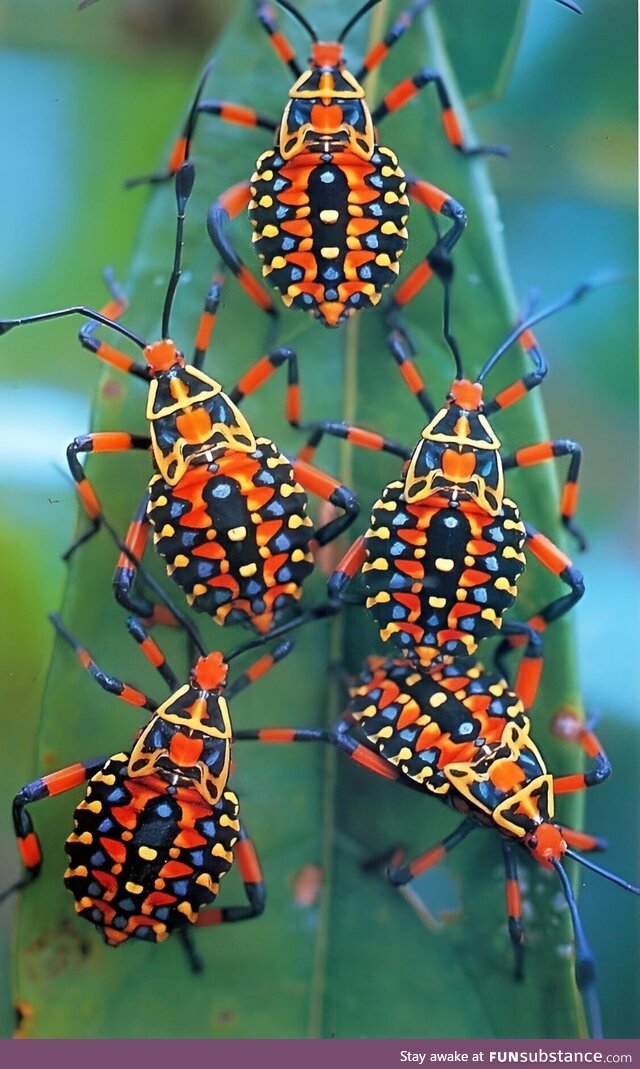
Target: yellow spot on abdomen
(147,853)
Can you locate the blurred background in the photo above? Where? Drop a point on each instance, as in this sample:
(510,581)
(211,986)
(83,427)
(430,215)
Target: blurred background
(91,98)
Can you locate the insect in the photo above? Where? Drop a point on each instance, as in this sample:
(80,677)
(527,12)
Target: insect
(441,559)
(159,826)
(227,509)
(460,733)
(328,203)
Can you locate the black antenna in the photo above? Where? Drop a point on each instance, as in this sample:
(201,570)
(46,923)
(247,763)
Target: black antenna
(77,309)
(446,321)
(626,886)
(584,967)
(570,298)
(356,18)
(184,184)
(572,7)
(328,608)
(283,648)
(300,18)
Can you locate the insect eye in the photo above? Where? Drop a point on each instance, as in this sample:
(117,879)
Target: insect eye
(298,115)
(351,113)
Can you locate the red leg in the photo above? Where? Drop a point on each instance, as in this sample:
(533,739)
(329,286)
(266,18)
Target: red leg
(513,897)
(353,749)
(207,321)
(581,840)
(127,567)
(227,207)
(126,693)
(401,874)
(98,442)
(329,489)
(266,366)
(406,90)
(227,111)
(108,353)
(543,451)
(436,200)
(567,725)
(529,455)
(348,567)
(527,680)
(152,652)
(349,432)
(380,51)
(45,787)
(280,44)
(259,668)
(245,855)
(559,564)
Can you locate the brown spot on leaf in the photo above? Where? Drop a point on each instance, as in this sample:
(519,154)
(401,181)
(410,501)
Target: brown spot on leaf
(306,885)
(111,390)
(24,1020)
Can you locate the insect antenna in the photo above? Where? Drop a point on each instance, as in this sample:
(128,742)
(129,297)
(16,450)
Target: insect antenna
(356,18)
(572,297)
(618,880)
(184,184)
(446,326)
(571,5)
(300,18)
(88,313)
(585,972)
(283,647)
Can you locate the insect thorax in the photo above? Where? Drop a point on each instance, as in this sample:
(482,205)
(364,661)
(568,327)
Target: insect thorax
(329,227)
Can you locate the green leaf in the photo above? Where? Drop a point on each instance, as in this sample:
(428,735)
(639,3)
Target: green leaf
(483,44)
(357,961)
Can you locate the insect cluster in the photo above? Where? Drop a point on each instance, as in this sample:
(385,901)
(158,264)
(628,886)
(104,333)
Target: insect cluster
(445,704)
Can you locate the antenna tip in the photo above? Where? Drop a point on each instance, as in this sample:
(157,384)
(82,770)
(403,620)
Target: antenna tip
(605,278)
(185,178)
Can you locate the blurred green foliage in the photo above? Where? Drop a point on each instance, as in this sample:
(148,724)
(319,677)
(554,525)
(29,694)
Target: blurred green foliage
(97,100)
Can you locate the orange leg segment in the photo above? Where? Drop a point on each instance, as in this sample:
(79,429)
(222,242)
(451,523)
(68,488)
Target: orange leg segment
(29,847)
(406,90)
(227,207)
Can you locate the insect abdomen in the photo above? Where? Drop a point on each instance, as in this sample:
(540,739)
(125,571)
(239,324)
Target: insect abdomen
(440,578)
(330,228)
(422,721)
(143,862)
(235,535)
